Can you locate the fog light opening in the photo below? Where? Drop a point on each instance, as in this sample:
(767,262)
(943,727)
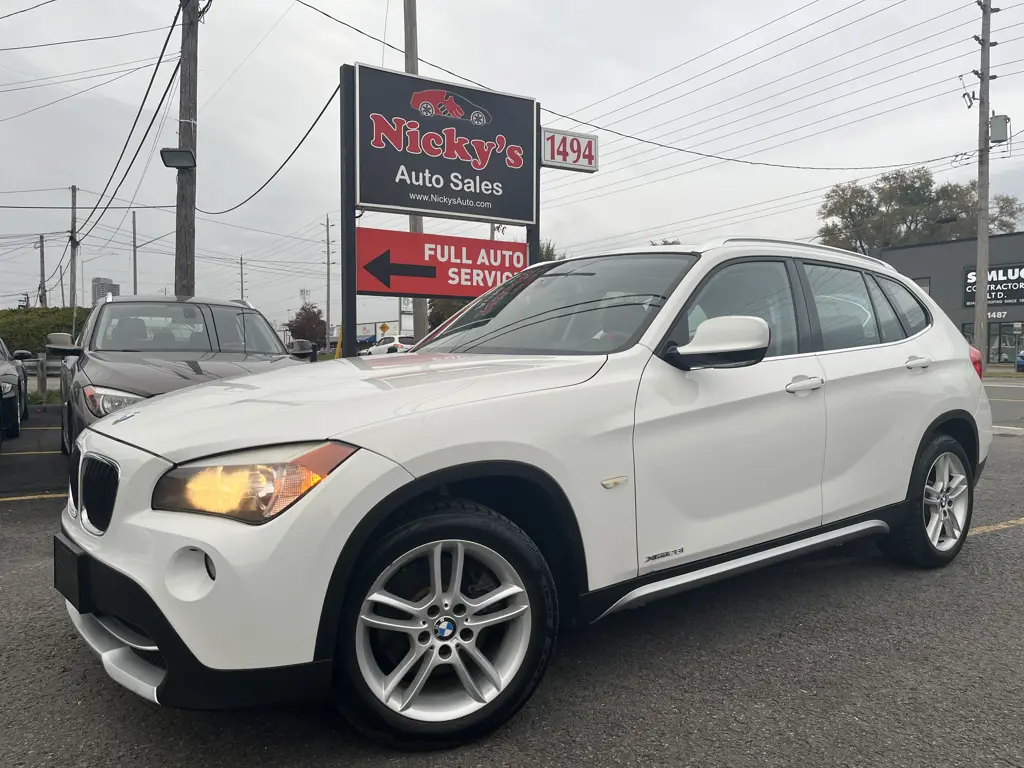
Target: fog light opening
(211,568)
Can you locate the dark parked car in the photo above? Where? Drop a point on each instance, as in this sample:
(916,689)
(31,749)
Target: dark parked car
(13,389)
(135,347)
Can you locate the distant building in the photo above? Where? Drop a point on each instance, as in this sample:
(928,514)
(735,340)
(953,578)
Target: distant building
(101,286)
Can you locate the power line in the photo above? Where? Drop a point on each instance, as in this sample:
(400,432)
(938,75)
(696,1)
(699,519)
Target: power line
(70,96)
(580,121)
(138,114)
(136,155)
(696,58)
(149,160)
(39,82)
(282,165)
(744,55)
(26,10)
(249,54)
(719,136)
(81,40)
(31,191)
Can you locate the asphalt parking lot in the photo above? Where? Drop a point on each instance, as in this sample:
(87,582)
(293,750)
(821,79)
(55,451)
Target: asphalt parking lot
(838,659)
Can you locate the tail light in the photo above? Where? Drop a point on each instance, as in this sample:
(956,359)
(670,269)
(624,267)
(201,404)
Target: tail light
(976,361)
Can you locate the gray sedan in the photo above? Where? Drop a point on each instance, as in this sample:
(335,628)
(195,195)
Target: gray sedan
(134,347)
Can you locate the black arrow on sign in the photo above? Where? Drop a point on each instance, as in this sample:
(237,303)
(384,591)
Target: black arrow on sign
(383,270)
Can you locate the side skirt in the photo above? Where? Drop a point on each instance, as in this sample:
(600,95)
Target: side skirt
(634,593)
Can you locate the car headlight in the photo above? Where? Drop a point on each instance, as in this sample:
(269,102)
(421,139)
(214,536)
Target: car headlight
(251,486)
(103,401)
(6,387)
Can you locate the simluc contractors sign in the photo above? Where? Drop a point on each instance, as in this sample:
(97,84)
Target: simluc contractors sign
(438,149)
(1005,285)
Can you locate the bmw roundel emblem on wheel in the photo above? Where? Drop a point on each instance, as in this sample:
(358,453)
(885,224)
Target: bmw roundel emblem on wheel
(444,628)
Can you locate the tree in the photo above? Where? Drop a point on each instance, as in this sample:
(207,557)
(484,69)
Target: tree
(666,242)
(905,207)
(309,324)
(441,309)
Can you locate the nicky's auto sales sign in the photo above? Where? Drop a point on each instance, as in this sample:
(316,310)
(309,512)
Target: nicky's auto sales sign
(438,149)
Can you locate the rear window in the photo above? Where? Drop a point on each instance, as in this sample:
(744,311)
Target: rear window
(406,340)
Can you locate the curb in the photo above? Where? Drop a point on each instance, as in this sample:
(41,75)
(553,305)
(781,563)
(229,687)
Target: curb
(1008,431)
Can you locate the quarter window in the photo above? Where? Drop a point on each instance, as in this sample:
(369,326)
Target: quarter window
(888,323)
(915,319)
(845,314)
(757,288)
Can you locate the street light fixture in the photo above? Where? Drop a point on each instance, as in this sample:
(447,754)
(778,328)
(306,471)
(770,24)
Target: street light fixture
(180,159)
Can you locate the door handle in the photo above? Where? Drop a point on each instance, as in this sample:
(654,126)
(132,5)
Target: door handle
(914,362)
(805,384)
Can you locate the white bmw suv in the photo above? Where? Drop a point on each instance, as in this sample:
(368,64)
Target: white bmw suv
(407,534)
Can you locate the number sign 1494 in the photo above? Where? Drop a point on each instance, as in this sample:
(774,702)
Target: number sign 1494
(569,150)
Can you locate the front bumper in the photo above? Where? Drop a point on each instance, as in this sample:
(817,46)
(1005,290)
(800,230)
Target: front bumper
(141,650)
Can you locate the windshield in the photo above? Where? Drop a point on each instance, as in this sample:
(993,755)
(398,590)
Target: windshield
(181,327)
(584,306)
(151,327)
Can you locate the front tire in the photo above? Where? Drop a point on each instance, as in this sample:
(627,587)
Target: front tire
(13,429)
(448,627)
(65,443)
(941,507)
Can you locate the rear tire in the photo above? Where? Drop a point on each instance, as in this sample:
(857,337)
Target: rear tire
(940,508)
(24,405)
(470,689)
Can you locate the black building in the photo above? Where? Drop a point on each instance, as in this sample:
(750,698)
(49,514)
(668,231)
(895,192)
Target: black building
(946,271)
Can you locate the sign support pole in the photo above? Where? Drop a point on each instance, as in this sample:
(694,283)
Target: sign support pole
(533,232)
(347,225)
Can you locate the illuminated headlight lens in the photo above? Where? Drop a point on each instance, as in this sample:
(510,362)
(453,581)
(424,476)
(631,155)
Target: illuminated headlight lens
(103,401)
(6,387)
(251,486)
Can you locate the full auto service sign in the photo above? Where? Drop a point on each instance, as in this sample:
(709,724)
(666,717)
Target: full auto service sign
(438,149)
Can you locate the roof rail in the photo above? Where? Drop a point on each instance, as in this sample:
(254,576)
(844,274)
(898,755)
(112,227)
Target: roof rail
(813,246)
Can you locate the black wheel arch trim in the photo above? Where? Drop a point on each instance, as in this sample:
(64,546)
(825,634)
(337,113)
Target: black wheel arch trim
(330,613)
(933,428)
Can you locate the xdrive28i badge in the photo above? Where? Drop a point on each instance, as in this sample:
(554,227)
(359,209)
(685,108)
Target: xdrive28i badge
(425,146)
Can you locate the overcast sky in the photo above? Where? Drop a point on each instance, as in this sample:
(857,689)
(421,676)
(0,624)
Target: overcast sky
(566,54)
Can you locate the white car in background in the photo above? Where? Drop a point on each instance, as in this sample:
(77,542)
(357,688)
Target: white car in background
(390,344)
(409,535)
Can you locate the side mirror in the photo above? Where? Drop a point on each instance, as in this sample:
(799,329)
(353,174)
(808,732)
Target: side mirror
(23,354)
(60,350)
(732,341)
(59,340)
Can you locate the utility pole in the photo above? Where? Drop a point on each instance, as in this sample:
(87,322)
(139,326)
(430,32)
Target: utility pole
(42,274)
(241,279)
(412,58)
(135,259)
(185,241)
(981,268)
(328,318)
(74,258)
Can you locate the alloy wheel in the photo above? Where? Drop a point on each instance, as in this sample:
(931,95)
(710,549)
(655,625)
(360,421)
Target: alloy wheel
(443,630)
(946,502)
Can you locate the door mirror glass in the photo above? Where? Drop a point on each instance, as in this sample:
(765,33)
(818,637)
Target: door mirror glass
(732,341)
(23,354)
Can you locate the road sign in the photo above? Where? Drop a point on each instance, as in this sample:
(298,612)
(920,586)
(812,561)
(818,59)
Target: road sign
(384,327)
(439,149)
(396,263)
(568,150)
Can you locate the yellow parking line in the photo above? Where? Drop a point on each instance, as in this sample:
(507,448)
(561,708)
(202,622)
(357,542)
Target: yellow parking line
(996,526)
(39,428)
(34,497)
(30,453)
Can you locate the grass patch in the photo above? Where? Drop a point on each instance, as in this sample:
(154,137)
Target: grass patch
(52,397)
